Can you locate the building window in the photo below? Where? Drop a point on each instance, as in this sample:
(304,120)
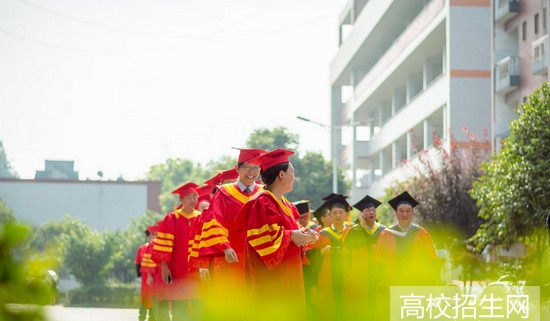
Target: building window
(524,30)
(544,20)
(536,23)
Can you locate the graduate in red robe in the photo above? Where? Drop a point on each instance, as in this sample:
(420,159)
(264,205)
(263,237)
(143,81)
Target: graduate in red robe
(405,251)
(150,278)
(221,178)
(273,253)
(144,306)
(217,247)
(181,284)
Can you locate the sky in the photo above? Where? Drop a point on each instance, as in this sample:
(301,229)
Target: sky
(121,85)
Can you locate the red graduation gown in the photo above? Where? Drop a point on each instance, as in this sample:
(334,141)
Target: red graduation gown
(171,246)
(148,266)
(273,263)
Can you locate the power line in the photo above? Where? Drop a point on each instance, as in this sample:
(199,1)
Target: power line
(209,35)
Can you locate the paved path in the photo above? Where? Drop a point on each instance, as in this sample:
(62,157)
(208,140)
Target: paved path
(60,313)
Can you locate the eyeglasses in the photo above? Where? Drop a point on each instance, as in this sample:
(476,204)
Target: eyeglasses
(248,167)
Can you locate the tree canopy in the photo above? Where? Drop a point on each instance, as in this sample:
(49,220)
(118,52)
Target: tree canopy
(5,167)
(513,191)
(23,273)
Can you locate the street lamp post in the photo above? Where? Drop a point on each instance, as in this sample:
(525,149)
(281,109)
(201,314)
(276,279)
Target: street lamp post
(332,150)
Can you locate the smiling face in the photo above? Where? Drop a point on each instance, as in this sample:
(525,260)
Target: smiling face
(404,214)
(248,173)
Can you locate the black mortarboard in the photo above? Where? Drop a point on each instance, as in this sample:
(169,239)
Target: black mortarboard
(331,195)
(302,206)
(403,198)
(320,212)
(367,202)
(338,200)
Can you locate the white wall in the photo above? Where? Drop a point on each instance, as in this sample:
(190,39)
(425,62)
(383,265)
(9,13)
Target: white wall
(101,205)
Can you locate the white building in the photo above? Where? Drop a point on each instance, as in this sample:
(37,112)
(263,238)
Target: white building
(102,205)
(405,70)
(520,55)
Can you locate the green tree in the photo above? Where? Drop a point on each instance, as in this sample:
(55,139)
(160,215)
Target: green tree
(6,214)
(223,163)
(5,167)
(269,139)
(174,173)
(23,274)
(122,266)
(87,253)
(47,240)
(513,193)
(314,179)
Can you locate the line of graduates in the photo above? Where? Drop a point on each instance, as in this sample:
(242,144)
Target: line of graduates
(251,254)
(352,266)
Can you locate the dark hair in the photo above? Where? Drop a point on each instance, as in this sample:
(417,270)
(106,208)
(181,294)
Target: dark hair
(240,164)
(147,233)
(269,175)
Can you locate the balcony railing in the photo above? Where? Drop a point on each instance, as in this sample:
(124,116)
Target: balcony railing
(506,9)
(540,56)
(507,74)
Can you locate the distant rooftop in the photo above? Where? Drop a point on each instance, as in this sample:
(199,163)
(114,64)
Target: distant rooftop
(57,169)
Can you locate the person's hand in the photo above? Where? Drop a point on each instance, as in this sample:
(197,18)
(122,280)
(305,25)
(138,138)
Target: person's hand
(326,250)
(362,221)
(149,280)
(230,255)
(205,275)
(166,273)
(302,238)
(312,233)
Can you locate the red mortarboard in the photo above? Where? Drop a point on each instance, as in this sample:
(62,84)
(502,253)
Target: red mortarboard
(185,189)
(272,158)
(228,174)
(204,190)
(247,154)
(221,177)
(153,228)
(204,194)
(213,181)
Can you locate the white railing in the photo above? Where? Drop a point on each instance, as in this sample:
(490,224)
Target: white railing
(507,72)
(540,55)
